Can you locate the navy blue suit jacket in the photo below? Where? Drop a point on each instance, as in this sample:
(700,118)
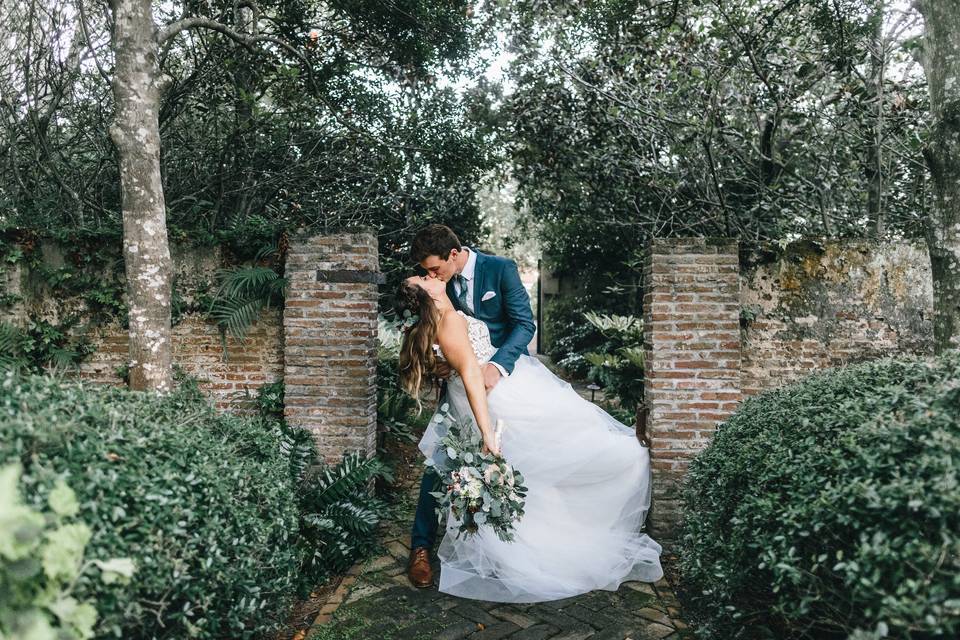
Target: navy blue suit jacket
(507,313)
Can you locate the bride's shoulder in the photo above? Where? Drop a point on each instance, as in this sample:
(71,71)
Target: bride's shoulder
(455,317)
(452,324)
(452,321)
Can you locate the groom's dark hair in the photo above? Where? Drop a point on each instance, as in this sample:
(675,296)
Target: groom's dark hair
(433,240)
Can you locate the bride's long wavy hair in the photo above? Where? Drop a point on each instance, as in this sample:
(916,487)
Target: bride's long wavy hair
(418,361)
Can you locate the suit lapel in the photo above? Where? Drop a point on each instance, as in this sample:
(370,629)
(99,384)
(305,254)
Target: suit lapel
(478,272)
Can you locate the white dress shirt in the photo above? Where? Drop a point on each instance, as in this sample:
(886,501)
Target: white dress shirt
(468,272)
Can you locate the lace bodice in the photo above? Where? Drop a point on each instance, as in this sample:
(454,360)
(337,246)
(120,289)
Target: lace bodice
(479,335)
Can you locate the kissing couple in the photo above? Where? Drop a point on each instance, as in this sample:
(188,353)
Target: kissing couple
(587,475)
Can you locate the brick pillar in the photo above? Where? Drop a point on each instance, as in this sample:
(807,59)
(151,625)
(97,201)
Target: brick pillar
(330,340)
(691,319)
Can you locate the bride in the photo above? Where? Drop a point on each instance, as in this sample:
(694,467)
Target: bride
(587,475)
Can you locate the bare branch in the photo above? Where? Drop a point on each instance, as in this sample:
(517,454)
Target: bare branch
(86,37)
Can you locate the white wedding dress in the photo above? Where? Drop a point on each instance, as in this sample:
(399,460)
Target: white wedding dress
(588,480)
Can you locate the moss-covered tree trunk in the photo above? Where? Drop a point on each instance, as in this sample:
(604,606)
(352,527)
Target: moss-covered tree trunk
(941,61)
(136,133)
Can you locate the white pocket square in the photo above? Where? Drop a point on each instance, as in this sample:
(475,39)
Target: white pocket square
(488,295)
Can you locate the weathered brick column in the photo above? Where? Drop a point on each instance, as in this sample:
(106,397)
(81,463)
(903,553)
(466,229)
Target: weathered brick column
(330,340)
(692,347)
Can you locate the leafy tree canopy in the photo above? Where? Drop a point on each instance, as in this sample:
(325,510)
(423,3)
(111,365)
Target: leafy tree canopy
(758,119)
(331,114)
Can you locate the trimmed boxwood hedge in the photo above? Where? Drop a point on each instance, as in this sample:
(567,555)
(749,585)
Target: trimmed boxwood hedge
(204,503)
(831,508)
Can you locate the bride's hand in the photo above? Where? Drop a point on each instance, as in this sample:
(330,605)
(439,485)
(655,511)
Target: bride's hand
(490,445)
(442,370)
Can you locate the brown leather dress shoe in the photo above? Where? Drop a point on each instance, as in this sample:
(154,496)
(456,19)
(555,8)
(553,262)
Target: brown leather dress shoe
(419,571)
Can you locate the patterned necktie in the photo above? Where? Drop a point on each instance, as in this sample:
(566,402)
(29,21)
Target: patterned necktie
(462,295)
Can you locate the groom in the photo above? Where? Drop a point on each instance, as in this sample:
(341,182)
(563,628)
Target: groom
(489,289)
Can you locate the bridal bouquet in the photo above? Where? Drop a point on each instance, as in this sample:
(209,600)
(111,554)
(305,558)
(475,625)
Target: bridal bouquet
(479,488)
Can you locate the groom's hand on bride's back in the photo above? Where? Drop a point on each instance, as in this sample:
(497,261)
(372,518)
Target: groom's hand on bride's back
(491,376)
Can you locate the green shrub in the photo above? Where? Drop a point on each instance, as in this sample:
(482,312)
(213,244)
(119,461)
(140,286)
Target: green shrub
(202,502)
(568,336)
(606,348)
(39,345)
(617,364)
(41,557)
(395,409)
(338,513)
(831,508)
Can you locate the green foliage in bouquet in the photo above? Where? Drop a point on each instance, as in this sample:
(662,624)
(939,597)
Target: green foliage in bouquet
(41,559)
(830,508)
(479,488)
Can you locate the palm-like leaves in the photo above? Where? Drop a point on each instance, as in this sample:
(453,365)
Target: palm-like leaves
(350,476)
(340,514)
(244,292)
(301,451)
(613,325)
(12,357)
(39,346)
(62,357)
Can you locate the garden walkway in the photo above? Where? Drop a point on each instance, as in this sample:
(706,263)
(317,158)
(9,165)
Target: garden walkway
(375,600)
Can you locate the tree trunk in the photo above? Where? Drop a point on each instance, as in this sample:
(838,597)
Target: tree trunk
(873,162)
(244,79)
(136,132)
(941,62)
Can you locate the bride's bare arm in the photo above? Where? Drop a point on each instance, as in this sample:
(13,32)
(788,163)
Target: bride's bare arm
(455,344)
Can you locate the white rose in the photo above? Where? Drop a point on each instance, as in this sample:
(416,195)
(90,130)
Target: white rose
(474,488)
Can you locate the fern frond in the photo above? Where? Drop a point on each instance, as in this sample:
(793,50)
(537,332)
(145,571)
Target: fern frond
(62,358)
(244,281)
(352,517)
(278,285)
(339,514)
(13,363)
(243,293)
(340,482)
(11,338)
(267,252)
(319,521)
(236,315)
(301,451)
(347,481)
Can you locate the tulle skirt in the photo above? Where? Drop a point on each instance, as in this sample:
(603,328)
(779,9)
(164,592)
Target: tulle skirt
(588,480)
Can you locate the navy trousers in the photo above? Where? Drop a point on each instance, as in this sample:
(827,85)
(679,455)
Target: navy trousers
(425,522)
(424,532)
